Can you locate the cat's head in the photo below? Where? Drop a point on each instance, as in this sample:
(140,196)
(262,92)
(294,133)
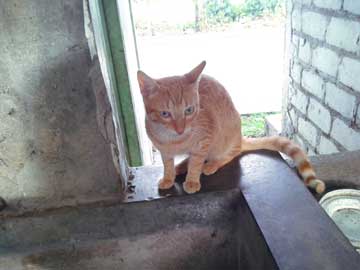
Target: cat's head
(172,101)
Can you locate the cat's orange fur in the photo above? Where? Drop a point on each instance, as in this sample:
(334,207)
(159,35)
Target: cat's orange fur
(209,132)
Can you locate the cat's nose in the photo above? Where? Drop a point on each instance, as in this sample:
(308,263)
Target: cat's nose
(179,126)
(179,130)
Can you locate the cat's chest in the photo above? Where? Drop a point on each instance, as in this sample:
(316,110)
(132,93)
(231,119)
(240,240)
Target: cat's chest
(170,142)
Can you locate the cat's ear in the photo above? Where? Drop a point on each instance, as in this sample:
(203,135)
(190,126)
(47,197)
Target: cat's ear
(194,75)
(146,83)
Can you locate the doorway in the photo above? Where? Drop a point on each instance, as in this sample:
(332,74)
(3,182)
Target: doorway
(241,40)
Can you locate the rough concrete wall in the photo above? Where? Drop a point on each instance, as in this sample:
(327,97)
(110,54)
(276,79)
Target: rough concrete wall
(322,108)
(50,144)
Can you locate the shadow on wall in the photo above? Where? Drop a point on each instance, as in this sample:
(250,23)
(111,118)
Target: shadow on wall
(51,148)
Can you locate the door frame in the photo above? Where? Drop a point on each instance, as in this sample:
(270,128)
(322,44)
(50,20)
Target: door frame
(116,48)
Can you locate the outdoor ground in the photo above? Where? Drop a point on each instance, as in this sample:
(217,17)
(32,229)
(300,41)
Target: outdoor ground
(247,58)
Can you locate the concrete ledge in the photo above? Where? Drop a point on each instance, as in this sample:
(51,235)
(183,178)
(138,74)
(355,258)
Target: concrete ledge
(264,217)
(298,232)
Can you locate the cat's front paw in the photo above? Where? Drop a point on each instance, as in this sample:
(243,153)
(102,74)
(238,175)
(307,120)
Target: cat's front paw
(166,183)
(191,186)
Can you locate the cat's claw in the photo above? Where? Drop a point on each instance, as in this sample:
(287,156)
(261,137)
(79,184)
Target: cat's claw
(166,183)
(191,186)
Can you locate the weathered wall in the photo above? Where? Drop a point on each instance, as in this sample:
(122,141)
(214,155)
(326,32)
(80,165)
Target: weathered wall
(50,144)
(322,107)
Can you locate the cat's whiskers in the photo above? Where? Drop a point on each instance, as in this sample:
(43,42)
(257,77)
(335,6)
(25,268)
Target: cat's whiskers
(166,135)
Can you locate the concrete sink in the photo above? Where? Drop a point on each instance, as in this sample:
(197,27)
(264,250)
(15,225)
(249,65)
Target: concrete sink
(253,214)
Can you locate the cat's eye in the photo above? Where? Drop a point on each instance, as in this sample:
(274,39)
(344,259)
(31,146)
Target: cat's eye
(189,110)
(165,114)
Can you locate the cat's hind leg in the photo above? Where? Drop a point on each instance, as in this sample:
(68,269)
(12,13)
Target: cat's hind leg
(213,165)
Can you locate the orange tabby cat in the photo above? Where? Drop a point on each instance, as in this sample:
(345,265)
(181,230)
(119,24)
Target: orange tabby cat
(193,114)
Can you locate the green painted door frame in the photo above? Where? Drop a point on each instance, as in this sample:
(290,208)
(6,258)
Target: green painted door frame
(116,59)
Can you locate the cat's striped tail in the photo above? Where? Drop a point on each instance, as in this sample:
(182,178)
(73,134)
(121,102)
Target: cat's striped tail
(289,148)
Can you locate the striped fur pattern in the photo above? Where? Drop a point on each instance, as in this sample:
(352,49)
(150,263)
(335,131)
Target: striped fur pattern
(194,115)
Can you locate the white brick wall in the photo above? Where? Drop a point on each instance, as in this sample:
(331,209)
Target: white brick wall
(300,142)
(296,72)
(325,41)
(300,101)
(326,147)
(294,118)
(325,60)
(339,100)
(313,83)
(305,51)
(332,4)
(310,152)
(314,24)
(308,131)
(296,19)
(349,73)
(319,115)
(344,34)
(345,135)
(352,6)
(304,2)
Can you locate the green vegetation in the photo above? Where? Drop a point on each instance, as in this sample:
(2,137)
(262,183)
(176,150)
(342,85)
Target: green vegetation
(223,11)
(210,15)
(253,125)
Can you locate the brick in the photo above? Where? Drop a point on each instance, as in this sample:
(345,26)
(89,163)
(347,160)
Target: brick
(303,2)
(308,131)
(294,45)
(326,146)
(313,83)
(311,152)
(300,101)
(319,115)
(305,51)
(325,60)
(349,71)
(288,6)
(288,129)
(293,118)
(314,24)
(296,72)
(339,100)
(330,4)
(300,142)
(296,19)
(352,6)
(292,51)
(344,34)
(345,135)
(291,92)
